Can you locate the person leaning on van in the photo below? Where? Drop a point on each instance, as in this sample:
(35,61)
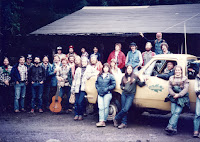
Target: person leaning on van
(179,97)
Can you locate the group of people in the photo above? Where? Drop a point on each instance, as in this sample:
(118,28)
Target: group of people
(70,72)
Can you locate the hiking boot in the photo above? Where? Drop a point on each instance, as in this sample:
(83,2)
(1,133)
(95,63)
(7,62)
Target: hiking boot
(80,117)
(122,125)
(115,122)
(76,118)
(196,134)
(170,130)
(40,110)
(101,124)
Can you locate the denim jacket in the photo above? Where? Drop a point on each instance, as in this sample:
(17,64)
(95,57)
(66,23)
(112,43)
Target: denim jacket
(134,58)
(105,85)
(53,75)
(47,72)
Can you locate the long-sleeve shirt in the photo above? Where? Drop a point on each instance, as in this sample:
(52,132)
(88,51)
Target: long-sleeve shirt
(182,82)
(36,74)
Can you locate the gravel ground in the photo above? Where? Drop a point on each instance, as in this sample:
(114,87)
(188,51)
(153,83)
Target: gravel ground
(25,127)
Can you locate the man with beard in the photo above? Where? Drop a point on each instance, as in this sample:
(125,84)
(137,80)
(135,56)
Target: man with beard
(71,51)
(37,77)
(95,63)
(71,64)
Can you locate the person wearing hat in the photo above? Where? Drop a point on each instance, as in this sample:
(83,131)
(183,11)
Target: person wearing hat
(118,55)
(71,51)
(59,52)
(95,52)
(29,61)
(95,63)
(157,42)
(134,57)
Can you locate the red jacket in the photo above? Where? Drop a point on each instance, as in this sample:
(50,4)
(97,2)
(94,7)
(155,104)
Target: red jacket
(121,58)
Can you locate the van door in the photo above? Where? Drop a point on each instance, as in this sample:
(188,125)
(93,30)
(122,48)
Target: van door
(153,94)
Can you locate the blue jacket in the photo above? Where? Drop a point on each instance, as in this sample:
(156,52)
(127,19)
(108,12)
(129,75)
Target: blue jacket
(105,85)
(133,58)
(48,72)
(54,80)
(15,76)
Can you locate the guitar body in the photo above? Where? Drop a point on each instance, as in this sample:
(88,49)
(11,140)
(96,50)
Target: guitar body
(55,106)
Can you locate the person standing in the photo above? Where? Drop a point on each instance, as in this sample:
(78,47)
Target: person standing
(47,83)
(197,111)
(95,52)
(5,87)
(71,64)
(118,55)
(19,75)
(113,68)
(134,57)
(128,86)
(148,54)
(179,97)
(157,42)
(37,77)
(59,52)
(164,46)
(28,62)
(84,52)
(105,84)
(64,77)
(71,51)
(95,63)
(82,74)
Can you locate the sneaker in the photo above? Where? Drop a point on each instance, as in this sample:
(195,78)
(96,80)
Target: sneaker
(40,110)
(80,117)
(76,118)
(121,126)
(170,130)
(17,111)
(101,124)
(32,111)
(196,135)
(115,122)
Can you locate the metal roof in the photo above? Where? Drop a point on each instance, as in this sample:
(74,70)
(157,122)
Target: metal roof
(127,20)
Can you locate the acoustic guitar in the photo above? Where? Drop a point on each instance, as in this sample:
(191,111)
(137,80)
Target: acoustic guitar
(56,102)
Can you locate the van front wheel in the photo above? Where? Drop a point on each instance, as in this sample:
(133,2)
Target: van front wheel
(114,108)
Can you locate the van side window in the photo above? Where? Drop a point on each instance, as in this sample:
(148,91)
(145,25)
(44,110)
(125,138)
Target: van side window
(192,68)
(158,67)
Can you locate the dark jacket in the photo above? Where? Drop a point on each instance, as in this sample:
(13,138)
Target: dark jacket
(166,76)
(105,85)
(130,88)
(15,76)
(36,74)
(54,80)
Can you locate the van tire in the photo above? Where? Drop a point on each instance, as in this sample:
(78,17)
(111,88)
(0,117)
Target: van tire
(114,108)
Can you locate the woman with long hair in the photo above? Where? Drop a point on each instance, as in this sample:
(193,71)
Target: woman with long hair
(105,84)
(113,67)
(179,97)
(82,74)
(128,85)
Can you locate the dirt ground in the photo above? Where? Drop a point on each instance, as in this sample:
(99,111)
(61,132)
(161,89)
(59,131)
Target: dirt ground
(42,127)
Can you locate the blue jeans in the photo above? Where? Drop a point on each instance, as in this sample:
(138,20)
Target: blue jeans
(79,97)
(20,90)
(37,90)
(197,115)
(126,102)
(47,86)
(103,105)
(65,90)
(175,111)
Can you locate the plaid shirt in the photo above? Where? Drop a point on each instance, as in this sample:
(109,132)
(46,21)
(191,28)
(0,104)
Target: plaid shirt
(23,72)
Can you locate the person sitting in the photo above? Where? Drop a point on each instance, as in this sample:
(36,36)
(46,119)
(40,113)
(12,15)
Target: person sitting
(169,71)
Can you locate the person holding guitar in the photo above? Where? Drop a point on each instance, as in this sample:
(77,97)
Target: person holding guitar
(64,77)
